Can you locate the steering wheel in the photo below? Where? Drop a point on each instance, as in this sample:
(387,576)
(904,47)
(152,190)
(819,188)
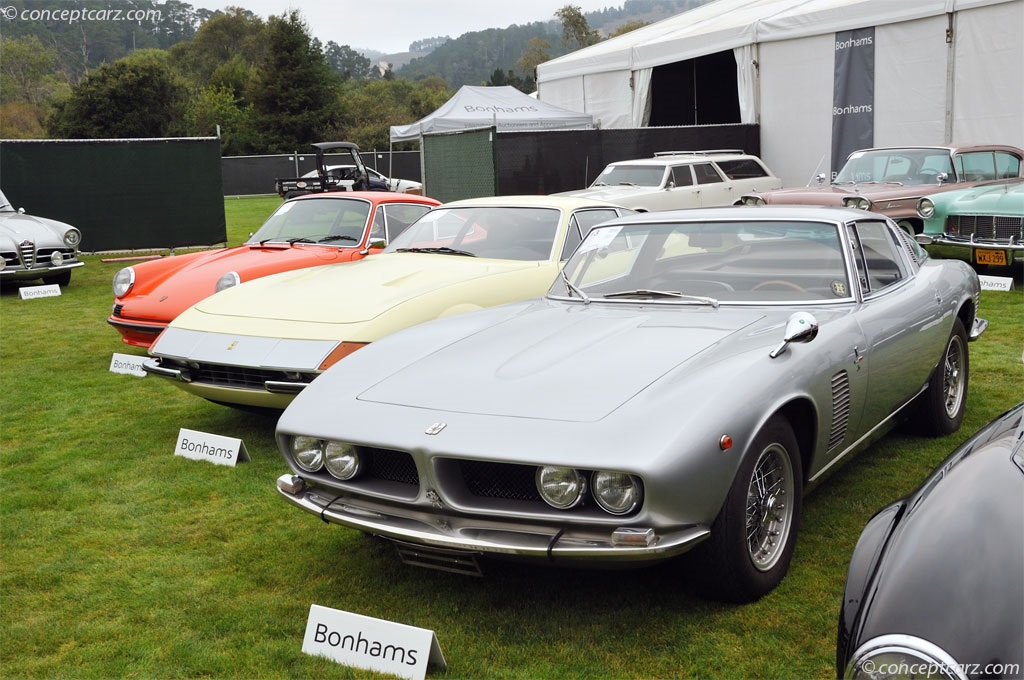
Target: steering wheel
(779,283)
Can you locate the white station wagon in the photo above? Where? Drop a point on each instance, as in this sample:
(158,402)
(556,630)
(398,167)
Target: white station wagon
(681,179)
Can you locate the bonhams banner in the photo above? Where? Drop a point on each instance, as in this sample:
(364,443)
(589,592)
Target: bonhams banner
(853,94)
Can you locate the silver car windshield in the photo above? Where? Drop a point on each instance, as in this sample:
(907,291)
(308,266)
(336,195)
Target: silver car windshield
(631,175)
(501,232)
(5,205)
(334,221)
(896,166)
(708,263)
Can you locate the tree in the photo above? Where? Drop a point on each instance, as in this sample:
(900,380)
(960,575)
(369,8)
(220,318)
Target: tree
(627,27)
(371,107)
(216,110)
(28,72)
(235,35)
(293,91)
(137,96)
(537,52)
(575,29)
(348,63)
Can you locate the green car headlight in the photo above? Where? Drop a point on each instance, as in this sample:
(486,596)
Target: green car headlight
(926,208)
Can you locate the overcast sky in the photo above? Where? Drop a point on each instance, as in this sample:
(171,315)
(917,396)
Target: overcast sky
(389,26)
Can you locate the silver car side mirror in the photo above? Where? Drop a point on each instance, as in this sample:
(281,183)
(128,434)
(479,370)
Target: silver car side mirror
(801,327)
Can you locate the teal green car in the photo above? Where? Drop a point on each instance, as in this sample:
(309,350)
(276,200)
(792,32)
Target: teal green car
(983,225)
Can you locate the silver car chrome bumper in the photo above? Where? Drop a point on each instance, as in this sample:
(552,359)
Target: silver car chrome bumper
(495,538)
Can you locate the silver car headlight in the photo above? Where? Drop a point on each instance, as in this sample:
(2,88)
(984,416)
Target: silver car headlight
(926,208)
(858,202)
(308,453)
(123,281)
(752,200)
(227,281)
(57,258)
(616,492)
(341,460)
(901,656)
(72,237)
(560,487)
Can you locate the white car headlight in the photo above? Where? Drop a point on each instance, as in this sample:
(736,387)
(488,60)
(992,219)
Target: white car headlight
(341,460)
(926,208)
(308,453)
(901,656)
(560,487)
(57,258)
(616,492)
(123,281)
(72,237)
(752,200)
(858,202)
(227,281)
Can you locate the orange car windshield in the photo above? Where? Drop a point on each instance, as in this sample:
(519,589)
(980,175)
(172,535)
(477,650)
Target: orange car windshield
(327,220)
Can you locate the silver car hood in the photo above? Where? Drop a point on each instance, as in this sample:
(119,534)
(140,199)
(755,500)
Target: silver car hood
(17,227)
(566,362)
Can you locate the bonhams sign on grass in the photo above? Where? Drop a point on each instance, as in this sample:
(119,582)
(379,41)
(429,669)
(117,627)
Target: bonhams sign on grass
(212,448)
(128,364)
(372,644)
(33,292)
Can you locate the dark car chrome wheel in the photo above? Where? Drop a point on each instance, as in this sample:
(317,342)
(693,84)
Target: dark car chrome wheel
(941,407)
(753,537)
(770,507)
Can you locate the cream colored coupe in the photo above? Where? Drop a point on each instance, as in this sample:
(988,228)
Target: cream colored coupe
(260,343)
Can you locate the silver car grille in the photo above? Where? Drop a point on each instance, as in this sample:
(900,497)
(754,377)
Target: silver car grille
(26,256)
(986,227)
(241,377)
(27,252)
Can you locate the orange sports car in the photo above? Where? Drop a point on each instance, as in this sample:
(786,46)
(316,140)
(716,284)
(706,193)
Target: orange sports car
(304,232)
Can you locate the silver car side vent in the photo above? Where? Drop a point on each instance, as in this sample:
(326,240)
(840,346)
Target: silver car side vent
(908,243)
(840,409)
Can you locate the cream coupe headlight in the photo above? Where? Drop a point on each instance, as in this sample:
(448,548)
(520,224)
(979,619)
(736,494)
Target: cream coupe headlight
(341,460)
(901,656)
(227,281)
(858,202)
(616,492)
(560,487)
(123,281)
(926,208)
(308,453)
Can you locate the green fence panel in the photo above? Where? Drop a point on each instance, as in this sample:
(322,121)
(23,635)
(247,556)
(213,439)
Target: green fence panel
(123,194)
(459,165)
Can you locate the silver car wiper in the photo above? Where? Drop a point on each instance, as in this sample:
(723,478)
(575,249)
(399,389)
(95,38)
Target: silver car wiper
(443,249)
(573,289)
(643,292)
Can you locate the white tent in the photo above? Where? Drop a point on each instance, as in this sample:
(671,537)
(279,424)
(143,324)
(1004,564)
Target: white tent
(946,71)
(504,107)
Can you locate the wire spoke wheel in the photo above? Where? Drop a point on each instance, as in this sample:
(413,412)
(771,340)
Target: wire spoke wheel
(770,507)
(954,385)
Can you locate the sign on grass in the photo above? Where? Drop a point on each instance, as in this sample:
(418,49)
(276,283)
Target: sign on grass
(129,364)
(373,644)
(33,292)
(212,448)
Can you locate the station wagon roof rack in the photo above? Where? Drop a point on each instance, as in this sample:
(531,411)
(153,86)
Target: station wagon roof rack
(703,152)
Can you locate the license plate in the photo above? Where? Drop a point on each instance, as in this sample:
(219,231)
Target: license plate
(994,257)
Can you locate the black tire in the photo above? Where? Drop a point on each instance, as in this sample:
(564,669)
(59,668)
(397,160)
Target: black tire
(753,538)
(62,279)
(940,408)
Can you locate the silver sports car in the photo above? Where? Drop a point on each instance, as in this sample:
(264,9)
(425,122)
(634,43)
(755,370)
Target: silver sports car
(688,376)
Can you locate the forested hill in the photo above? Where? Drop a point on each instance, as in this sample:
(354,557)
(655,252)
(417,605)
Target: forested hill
(467,59)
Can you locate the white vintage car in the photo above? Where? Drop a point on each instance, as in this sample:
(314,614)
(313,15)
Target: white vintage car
(36,247)
(681,179)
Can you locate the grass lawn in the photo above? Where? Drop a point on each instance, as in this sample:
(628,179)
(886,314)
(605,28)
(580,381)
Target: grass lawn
(120,559)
